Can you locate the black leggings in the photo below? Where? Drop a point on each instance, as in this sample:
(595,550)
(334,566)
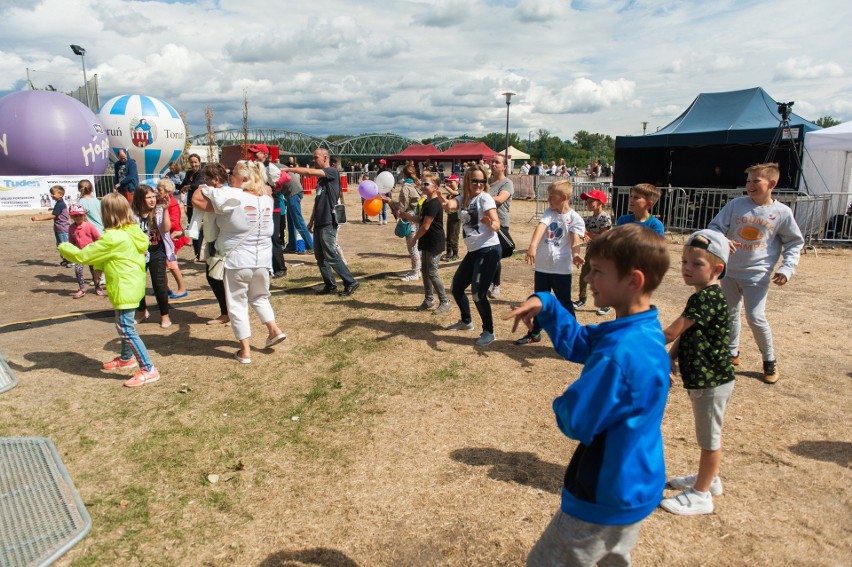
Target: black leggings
(218,286)
(157,266)
(476,270)
(504,230)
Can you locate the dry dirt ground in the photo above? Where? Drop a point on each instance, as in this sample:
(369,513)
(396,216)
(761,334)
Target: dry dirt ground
(372,436)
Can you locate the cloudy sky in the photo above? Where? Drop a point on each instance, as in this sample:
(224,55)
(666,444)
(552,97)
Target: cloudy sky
(421,68)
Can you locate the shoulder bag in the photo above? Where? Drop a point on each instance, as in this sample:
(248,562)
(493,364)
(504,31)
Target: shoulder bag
(507,245)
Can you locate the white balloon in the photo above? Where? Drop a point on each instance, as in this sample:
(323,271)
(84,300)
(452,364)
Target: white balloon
(386,181)
(148,129)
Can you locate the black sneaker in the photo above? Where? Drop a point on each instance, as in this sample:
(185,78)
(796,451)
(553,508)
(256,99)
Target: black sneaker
(770,372)
(350,289)
(280,273)
(529,338)
(326,290)
(579,303)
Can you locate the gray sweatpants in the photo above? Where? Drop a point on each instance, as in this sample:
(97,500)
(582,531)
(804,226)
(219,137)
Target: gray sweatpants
(570,542)
(753,295)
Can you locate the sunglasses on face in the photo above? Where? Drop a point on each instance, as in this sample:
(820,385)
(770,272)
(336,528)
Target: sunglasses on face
(425,184)
(477,182)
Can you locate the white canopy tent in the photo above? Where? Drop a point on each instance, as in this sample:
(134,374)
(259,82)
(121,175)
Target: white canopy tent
(827,168)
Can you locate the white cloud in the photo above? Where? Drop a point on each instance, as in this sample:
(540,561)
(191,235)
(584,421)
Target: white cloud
(426,67)
(796,68)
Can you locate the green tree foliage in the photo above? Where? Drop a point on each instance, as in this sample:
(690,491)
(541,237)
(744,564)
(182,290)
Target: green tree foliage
(827,122)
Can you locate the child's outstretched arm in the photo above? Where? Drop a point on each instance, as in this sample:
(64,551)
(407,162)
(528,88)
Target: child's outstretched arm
(534,241)
(677,328)
(570,339)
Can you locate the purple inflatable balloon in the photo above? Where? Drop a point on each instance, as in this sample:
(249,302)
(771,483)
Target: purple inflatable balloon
(49,133)
(368,189)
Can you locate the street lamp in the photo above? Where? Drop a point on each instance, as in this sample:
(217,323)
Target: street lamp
(82,52)
(508,96)
(644,127)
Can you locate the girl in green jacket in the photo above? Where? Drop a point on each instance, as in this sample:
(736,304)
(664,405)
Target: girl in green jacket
(120,255)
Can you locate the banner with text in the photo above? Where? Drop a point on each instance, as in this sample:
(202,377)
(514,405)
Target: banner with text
(33,192)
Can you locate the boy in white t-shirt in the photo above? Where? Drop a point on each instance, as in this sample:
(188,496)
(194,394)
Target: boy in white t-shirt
(554,247)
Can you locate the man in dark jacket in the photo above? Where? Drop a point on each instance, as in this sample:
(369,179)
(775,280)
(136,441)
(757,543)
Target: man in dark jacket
(126,175)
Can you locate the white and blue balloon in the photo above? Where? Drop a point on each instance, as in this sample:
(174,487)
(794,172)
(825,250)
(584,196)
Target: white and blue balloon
(148,129)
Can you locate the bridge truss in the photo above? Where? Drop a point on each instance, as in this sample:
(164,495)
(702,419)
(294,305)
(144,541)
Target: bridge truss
(301,144)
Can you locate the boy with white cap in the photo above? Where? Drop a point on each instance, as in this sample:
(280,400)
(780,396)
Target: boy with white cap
(700,348)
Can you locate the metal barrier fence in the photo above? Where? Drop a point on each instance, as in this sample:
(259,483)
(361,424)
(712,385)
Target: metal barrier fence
(824,219)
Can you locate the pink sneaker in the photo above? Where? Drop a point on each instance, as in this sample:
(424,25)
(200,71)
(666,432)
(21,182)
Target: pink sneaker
(143,377)
(118,364)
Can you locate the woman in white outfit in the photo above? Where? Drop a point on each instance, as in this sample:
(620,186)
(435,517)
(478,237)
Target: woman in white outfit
(244,219)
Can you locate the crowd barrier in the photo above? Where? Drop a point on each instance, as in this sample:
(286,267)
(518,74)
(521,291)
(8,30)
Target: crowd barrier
(822,219)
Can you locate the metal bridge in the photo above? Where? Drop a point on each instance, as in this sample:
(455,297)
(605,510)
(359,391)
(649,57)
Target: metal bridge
(301,144)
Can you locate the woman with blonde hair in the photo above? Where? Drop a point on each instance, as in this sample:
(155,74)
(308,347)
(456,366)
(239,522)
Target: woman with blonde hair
(478,213)
(244,220)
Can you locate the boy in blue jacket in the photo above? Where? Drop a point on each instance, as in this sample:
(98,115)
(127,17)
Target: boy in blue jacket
(616,476)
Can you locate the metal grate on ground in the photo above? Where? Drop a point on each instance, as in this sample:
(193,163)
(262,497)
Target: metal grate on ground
(8,379)
(41,514)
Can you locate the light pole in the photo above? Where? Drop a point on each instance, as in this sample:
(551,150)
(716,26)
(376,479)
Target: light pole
(508,96)
(644,127)
(529,142)
(82,52)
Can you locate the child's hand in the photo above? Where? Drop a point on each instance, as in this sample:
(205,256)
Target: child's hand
(779,279)
(530,257)
(579,260)
(526,312)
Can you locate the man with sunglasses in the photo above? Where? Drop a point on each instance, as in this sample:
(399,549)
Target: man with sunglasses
(501,188)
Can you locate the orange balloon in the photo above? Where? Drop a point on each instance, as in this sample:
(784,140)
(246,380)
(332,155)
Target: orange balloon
(373,206)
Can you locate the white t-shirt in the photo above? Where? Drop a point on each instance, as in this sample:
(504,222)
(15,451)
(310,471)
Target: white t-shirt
(476,233)
(236,213)
(554,255)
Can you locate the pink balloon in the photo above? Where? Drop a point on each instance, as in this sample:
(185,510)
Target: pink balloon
(368,189)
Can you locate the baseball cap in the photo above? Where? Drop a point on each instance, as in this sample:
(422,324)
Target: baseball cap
(453,177)
(383,161)
(712,241)
(254,148)
(596,194)
(75,209)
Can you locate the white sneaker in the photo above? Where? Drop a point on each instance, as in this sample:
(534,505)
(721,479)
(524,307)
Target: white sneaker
(684,482)
(485,338)
(494,292)
(461,326)
(603,311)
(688,503)
(411,277)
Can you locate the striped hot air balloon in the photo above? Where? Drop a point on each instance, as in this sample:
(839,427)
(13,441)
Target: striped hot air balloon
(148,129)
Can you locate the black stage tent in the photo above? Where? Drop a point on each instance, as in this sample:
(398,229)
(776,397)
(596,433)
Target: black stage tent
(711,143)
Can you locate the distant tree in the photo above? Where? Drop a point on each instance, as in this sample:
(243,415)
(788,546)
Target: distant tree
(827,122)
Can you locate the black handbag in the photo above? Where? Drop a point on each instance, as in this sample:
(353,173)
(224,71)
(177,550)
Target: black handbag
(338,210)
(507,245)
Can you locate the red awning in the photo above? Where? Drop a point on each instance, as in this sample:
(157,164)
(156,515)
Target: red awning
(416,152)
(468,150)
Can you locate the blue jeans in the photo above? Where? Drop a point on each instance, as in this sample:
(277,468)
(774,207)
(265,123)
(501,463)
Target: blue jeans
(60,238)
(295,221)
(560,285)
(328,260)
(476,270)
(131,342)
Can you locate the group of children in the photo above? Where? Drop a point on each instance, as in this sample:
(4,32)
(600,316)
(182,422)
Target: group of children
(615,408)
(616,476)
